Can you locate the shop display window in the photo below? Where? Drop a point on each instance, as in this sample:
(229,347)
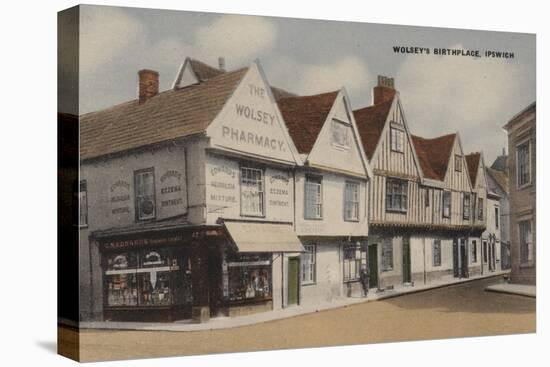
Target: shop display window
(147,278)
(248,278)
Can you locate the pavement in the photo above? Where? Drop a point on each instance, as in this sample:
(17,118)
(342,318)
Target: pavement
(239,321)
(517,289)
(463,309)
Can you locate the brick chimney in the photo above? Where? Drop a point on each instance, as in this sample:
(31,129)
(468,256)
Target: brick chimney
(148,84)
(384,91)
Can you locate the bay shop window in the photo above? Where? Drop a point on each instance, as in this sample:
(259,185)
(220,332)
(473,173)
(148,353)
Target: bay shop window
(246,277)
(147,278)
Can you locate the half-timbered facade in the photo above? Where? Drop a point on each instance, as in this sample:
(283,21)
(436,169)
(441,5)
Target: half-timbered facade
(420,199)
(331,188)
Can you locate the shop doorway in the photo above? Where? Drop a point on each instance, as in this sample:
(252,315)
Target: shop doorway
(463,258)
(293,280)
(455,258)
(406,260)
(492,257)
(373,266)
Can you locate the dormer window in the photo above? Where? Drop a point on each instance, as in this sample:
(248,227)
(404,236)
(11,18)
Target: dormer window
(340,134)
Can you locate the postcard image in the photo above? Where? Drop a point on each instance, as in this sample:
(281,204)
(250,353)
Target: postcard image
(222,180)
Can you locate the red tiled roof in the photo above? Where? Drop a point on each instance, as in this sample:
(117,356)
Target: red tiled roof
(169,115)
(304,117)
(472,160)
(434,154)
(370,124)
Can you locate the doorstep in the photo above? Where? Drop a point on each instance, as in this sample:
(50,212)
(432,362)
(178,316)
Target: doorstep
(246,320)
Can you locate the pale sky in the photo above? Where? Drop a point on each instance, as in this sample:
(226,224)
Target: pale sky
(440,94)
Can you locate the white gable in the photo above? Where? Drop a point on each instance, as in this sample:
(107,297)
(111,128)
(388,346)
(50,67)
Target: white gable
(250,122)
(185,76)
(338,145)
(386,159)
(458,178)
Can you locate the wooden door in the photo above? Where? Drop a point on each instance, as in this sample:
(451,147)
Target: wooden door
(373,266)
(293,280)
(406,260)
(455,258)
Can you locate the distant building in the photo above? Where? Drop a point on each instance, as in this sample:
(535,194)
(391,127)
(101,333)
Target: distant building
(497,178)
(522,178)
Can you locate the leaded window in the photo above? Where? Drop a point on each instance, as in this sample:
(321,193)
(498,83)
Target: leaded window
(396,195)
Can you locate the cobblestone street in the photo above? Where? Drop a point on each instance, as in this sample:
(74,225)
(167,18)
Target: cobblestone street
(455,311)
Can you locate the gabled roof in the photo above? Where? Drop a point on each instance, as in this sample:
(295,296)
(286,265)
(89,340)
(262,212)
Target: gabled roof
(370,123)
(501,163)
(305,116)
(434,154)
(472,160)
(500,177)
(169,115)
(203,71)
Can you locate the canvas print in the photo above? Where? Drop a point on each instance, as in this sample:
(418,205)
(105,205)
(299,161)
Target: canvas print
(234,183)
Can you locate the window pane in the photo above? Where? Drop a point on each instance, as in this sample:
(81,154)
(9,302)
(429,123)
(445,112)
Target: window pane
(145,194)
(252,191)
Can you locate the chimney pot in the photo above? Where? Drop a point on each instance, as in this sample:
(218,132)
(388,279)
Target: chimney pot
(221,63)
(384,90)
(148,84)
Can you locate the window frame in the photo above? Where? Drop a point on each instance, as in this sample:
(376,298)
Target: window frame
(399,133)
(308,181)
(311,249)
(348,248)
(137,173)
(480,211)
(80,207)
(356,206)
(426,197)
(345,127)
(466,214)
(525,248)
(385,264)
(519,183)
(458,163)
(473,251)
(261,192)
(403,195)
(443,196)
(436,244)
